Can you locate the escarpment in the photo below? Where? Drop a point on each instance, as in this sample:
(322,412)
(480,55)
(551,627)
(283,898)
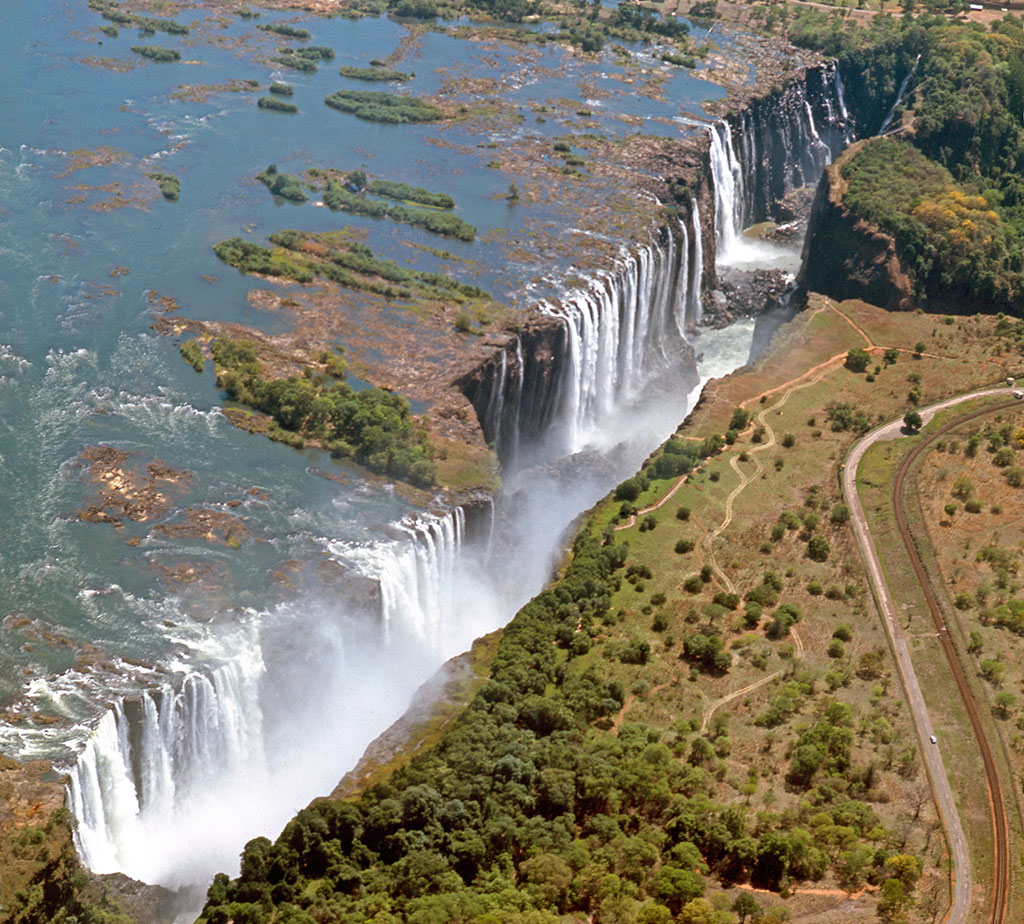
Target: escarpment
(847,257)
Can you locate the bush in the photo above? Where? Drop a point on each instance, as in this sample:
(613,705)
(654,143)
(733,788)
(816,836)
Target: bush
(193,355)
(818,549)
(683,513)
(683,546)
(840,514)
(276,105)
(169,185)
(858,359)
(157,52)
(282,89)
(282,184)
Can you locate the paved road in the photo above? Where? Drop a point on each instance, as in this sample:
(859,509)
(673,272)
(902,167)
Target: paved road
(944,797)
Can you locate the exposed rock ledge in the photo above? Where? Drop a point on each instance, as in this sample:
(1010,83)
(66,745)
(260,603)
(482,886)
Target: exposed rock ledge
(846,256)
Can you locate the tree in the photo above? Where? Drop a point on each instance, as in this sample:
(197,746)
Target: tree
(746,905)
(912,421)
(919,348)
(858,359)
(818,549)
(1004,703)
(890,356)
(893,899)
(840,514)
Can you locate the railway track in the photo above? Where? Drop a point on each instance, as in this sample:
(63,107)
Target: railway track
(1000,828)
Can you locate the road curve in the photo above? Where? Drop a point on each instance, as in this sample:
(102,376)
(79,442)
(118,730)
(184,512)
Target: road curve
(944,797)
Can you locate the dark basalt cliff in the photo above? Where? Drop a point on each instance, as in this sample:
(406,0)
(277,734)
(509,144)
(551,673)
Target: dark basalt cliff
(846,256)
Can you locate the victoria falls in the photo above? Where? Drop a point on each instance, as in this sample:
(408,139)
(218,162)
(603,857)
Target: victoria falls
(494,366)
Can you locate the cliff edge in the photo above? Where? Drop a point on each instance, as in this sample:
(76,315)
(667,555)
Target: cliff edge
(847,257)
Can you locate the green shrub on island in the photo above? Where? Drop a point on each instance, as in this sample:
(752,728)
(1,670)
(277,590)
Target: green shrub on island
(679,60)
(340,199)
(149,24)
(193,355)
(377,106)
(312,53)
(157,52)
(252,258)
(340,256)
(296,63)
(374,427)
(281,28)
(276,105)
(403,192)
(169,184)
(109,29)
(282,89)
(374,73)
(284,185)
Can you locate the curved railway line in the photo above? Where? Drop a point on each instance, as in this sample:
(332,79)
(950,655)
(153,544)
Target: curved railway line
(1000,828)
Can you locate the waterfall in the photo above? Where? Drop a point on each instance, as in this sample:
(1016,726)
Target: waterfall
(619,330)
(779,144)
(683,313)
(593,350)
(697,269)
(178,774)
(844,114)
(418,577)
(899,96)
(155,757)
(727,173)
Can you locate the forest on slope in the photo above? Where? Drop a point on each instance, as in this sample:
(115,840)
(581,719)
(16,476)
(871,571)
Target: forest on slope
(950,189)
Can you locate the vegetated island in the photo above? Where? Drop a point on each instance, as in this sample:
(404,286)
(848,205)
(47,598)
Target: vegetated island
(378,106)
(348,193)
(338,256)
(116,13)
(169,185)
(374,427)
(374,73)
(284,185)
(282,28)
(351,192)
(273,104)
(157,52)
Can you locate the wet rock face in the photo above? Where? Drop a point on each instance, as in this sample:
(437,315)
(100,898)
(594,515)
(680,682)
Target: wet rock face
(533,357)
(845,256)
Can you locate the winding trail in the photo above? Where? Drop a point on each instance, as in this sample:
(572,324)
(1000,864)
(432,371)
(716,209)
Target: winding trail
(945,799)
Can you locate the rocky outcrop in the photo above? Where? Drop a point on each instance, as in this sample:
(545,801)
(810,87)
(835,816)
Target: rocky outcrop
(848,257)
(531,360)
